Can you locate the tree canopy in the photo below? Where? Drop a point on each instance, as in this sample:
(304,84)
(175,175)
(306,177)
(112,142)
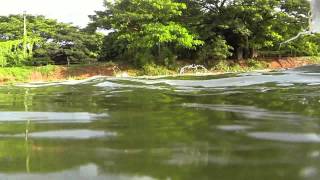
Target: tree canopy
(162,31)
(52,41)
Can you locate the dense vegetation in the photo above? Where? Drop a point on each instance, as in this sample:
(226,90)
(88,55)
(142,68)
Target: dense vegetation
(203,31)
(162,31)
(49,41)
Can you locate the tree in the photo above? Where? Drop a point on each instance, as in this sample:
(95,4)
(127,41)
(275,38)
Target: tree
(246,25)
(58,42)
(146,25)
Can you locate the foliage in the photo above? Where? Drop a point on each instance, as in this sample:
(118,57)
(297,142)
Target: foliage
(256,64)
(155,70)
(12,53)
(217,49)
(148,32)
(146,25)
(23,73)
(55,41)
(157,31)
(249,65)
(248,26)
(143,57)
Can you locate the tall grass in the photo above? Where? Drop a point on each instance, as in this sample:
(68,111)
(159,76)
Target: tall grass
(23,74)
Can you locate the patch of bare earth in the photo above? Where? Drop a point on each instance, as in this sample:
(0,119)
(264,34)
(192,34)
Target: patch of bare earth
(288,62)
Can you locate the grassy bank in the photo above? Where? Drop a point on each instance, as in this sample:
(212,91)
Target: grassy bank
(235,66)
(24,74)
(58,73)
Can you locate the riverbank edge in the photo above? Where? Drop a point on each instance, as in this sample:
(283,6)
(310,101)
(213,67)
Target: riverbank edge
(55,73)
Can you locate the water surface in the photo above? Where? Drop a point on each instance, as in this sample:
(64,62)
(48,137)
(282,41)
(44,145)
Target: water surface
(235,126)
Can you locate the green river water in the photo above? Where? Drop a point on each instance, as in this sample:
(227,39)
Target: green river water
(251,126)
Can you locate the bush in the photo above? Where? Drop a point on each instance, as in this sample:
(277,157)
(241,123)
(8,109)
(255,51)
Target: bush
(16,59)
(143,58)
(251,64)
(222,65)
(217,49)
(39,61)
(256,64)
(154,70)
(167,58)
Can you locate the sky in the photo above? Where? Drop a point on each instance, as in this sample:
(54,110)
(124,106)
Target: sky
(69,11)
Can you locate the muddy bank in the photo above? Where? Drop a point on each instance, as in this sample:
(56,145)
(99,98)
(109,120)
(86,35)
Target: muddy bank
(281,63)
(289,62)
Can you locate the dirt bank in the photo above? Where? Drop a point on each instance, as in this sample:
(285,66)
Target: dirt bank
(289,62)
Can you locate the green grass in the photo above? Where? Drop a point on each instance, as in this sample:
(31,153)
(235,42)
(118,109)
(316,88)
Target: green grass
(229,66)
(12,74)
(45,70)
(23,74)
(155,70)
(313,59)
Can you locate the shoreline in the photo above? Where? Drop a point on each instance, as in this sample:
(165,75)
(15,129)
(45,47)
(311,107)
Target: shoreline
(54,73)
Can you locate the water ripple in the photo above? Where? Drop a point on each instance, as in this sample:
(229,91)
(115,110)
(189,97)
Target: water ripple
(250,112)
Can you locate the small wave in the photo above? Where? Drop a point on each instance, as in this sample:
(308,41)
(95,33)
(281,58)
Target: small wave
(146,85)
(250,112)
(67,82)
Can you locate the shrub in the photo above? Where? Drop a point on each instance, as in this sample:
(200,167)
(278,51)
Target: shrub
(154,70)
(256,64)
(143,58)
(216,49)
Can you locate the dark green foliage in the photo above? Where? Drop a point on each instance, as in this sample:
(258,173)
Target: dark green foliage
(216,49)
(144,27)
(161,31)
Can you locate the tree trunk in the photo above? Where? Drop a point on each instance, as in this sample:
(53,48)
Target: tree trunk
(239,53)
(253,53)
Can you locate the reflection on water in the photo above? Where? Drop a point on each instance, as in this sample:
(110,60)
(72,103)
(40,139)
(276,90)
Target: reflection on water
(85,172)
(226,127)
(287,137)
(61,117)
(250,112)
(66,134)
